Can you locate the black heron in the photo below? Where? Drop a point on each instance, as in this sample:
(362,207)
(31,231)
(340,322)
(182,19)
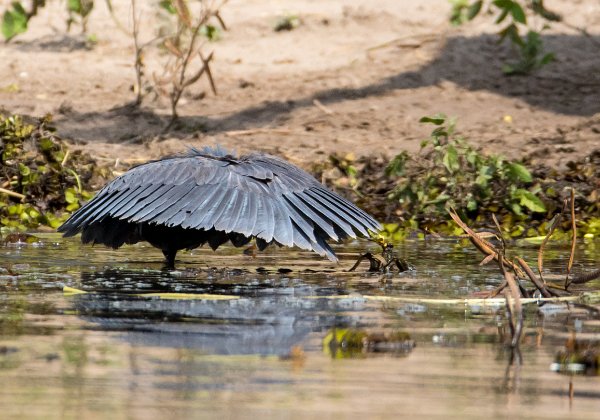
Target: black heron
(210,196)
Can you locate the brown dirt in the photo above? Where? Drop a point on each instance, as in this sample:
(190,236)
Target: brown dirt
(376,68)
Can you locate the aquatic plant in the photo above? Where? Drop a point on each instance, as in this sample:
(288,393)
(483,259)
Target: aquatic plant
(39,177)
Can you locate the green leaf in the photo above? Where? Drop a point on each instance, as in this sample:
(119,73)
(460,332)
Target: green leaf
(530,200)
(70,196)
(450,159)
(24,170)
(80,7)
(167,5)
(484,176)
(472,205)
(518,14)
(517,172)
(14,22)
(474,9)
(210,32)
(72,207)
(509,69)
(503,4)
(457,16)
(511,32)
(45,144)
(539,8)
(351,171)
(437,119)
(547,58)
(502,16)
(74,5)
(397,165)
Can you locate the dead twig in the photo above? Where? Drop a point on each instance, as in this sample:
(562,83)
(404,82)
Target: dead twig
(482,245)
(200,72)
(541,286)
(411,41)
(205,66)
(584,278)
(520,290)
(139,63)
(513,308)
(322,107)
(236,133)
(583,31)
(573,239)
(12,194)
(114,17)
(553,224)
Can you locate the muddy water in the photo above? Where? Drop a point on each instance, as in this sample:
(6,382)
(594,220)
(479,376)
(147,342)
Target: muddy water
(258,343)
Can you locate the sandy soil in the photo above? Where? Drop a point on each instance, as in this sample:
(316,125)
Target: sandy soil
(355,76)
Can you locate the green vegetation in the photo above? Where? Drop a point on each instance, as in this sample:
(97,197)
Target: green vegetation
(449,172)
(342,343)
(79,12)
(41,181)
(517,28)
(287,23)
(413,192)
(183,28)
(15,19)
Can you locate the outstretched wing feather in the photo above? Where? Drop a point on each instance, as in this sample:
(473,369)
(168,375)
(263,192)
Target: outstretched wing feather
(252,196)
(195,218)
(350,208)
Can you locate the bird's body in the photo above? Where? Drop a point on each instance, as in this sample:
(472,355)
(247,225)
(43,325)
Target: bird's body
(207,196)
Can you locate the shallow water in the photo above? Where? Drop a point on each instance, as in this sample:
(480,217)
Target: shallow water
(258,343)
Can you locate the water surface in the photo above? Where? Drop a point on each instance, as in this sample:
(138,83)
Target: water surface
(258,344)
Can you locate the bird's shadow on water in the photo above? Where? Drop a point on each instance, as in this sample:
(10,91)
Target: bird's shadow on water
(243,314)
(567,86)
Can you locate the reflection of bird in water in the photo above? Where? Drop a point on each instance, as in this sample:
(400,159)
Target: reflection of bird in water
(209,196)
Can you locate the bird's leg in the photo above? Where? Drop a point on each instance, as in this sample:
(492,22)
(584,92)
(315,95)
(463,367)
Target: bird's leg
(374,263)
(169,258)
(398,262)
(358,261)
(402,265)
(391,258)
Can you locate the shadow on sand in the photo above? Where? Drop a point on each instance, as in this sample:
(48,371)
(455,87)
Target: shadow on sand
(566,86)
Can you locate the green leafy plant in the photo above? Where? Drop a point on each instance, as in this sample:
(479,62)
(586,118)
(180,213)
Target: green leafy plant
(287,23)
(449,172)
(513,14)
(210,32)
(410,192)
(15,19)
(79,12)
(39,177)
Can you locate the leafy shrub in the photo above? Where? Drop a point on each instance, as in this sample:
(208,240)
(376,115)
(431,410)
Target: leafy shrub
(449,172)
(514,14)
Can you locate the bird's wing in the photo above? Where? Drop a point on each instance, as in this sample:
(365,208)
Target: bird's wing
(257,195)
